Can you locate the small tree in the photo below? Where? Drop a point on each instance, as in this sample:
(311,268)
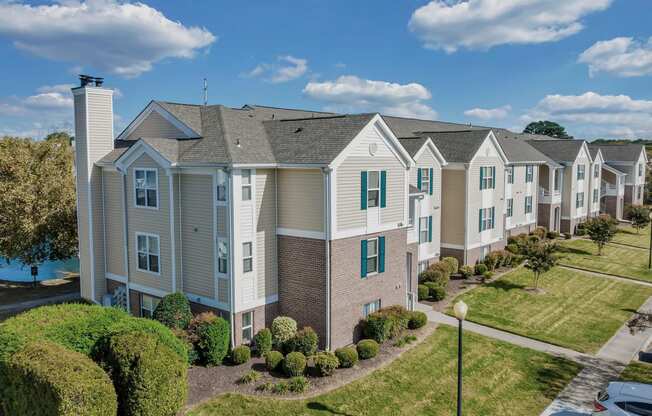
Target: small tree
(641,321)
(601,230)
(540,258)
(547,128)
(640,217)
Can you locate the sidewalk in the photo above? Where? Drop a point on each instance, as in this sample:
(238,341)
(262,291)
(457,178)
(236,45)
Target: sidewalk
(19,306)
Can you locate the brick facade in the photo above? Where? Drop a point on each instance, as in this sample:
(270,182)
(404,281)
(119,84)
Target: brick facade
(473,255)
(263,317)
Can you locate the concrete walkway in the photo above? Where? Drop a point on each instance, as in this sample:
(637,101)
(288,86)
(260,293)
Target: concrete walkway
(19,306)
(606,276)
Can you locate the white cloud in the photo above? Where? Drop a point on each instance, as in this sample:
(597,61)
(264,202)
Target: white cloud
(482,24)
(349,93)
(285,69)
(592,115)
(489,113)
(622,56)
(120,38)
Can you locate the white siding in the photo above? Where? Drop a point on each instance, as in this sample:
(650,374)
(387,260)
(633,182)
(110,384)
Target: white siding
(266,254)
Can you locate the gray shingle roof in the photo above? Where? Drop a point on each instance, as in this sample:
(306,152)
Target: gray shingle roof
(459,146)
(559,150)
(620,152)
(412,127)
(189,114)
(413,144)
(519,150)
(263,112)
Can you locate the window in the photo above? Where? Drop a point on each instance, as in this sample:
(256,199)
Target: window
(487,218)
(370,308)
(487,179)
(556,181)
(222,183)
(246,184)
(596,171)
(528,205)
(640,169)
(580,172)
(425,180)
(510,207)
(372,256)
(509,171)
(247,326)
(222,256)
(422,266)
(148,253)
(373,188)
(595,196)
(146,186)
(247,257)
(423,230)
(529,173)
(147,305)
(579,200)
(412,212)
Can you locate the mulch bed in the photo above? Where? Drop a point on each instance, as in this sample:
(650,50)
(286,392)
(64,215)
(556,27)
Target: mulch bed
(205,383)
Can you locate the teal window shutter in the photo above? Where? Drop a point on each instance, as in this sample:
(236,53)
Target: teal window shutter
(363,190)
(419,178)
(480,217)
(493,177)
(430,229)
(363,258)
(481,178)
(383,188)
(431,171)
(493,217)
(381,254)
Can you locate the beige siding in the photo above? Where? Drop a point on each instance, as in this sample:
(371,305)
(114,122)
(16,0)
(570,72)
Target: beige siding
(114,223)
(156,126)
(81,167)
(153,221)
(453,200)
(266,253)
(301,199)
(197,234)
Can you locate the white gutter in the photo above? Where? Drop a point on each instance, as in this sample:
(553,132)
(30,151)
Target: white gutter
(327,204)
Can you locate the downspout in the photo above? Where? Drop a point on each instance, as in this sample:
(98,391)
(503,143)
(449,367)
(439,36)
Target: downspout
(327,206)
(231,201)
(126,235)
(466,211)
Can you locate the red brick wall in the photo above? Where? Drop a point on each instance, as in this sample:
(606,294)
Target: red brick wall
(263,317)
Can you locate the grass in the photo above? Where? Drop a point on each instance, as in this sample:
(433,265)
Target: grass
(499,379)
(576,310)
(637,371)
(627,235)
(618,260)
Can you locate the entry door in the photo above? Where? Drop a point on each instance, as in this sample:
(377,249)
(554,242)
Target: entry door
(408,283)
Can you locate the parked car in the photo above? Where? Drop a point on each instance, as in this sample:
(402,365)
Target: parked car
(624,399)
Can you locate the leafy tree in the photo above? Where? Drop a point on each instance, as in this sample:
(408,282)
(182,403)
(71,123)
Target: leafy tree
(547,128)
(540,258)
(640,217)
(38,219)
(601,230)
(59,135)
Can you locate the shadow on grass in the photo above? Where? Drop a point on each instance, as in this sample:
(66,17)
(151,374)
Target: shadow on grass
(505,285)
(325,408)
(573,250)
(553,377)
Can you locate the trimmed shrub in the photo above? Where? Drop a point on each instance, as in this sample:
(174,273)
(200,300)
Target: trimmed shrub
(430,275)
(149,378)
(466,271)
(453,264)
(417,320)
(44,378)
(552,235)
(173,311)
(305,341)
(512,248)
(367,348)
(188,339)
(377,326)
(487,276)
(280,388)
(325,363)
(347,356)
(283,329)
(240,354)
(273,360)
(298,384)
(540,232)
(213,338)
(568,236)
(399,316)
(436,291)
(444,268)
(480,268)
(294,364)
(263,342)
(249,377)
(423,291)
(491,260)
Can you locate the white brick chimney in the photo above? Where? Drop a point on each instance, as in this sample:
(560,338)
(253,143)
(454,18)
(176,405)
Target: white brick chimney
(93,140)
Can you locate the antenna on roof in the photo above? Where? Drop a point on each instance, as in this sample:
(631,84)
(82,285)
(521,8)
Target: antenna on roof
(205,91)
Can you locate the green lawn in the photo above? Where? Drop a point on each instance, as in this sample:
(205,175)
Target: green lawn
(499,379)
(576,310)
(617,260)
(637,371)
(627,235)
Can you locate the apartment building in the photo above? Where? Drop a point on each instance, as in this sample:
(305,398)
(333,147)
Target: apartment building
(595,183)
(612,192)
(630,159)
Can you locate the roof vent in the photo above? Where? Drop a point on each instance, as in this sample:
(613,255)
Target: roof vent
(299,130)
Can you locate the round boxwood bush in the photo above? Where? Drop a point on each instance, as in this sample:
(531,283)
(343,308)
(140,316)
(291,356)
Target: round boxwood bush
(348,356)
(305,341)
(453,264)
(444,269)
(44,378)
(263,342)
(149,378)
(417,320)
(423,292)
(436,291)
(213,338)
(367,348)
(480,268)
(325,363)
(294,364)
(430,275)
(273,360)
(377,326)
(512,248)
(283,329)
(173,311)
(466,271)
(240,354)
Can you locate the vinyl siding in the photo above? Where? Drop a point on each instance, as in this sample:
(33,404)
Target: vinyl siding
(266,253)
(431,204)
(452,216)
(518,191)
(301,199)
(114,223)
(81,167)
(154,125)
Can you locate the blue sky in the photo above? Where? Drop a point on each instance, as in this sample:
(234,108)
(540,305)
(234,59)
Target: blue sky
(498,63)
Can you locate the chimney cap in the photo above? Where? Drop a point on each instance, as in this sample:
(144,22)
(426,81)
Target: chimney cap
(86,80)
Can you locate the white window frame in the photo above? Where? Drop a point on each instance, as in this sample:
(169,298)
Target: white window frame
(412,212)
(528,204)
(371,307)
(248,328)
(246,173)
(146,188)
(370,189)
(372,256)
(152,303)
(223,256)
(221,187)
(422,266)
(596,171)
(529,173)
(425,180)
(581,172)
(147,252)
(250,257)
(640,170)
(487,221)
(423,229)
(595,196)
(509,172)
(488,180)
(578,199)
(510,207)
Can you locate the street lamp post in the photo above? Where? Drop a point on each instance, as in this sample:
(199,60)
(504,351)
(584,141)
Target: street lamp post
(460,309)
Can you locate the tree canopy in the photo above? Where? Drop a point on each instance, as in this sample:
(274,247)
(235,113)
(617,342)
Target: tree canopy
(601,230)
(540,257)
(547,128)
(639,216)
(38,218)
